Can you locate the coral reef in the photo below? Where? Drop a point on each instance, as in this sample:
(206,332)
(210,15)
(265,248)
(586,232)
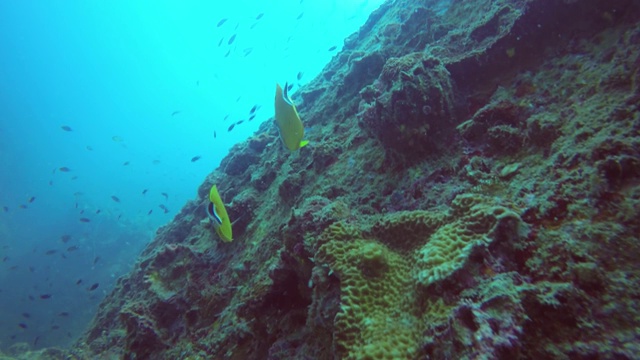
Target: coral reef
(471,190)
(410,106)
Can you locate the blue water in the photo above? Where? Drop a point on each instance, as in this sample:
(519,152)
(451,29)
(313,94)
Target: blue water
(143,86)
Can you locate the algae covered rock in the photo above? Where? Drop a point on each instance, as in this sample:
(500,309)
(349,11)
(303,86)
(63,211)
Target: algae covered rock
(410,106)
(500,125)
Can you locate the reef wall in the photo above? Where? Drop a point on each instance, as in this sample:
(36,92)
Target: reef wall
(470,190)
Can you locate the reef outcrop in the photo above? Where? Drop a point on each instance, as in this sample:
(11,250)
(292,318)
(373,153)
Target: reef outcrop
(471,190)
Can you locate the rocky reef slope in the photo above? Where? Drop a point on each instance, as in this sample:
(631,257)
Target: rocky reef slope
(470,191)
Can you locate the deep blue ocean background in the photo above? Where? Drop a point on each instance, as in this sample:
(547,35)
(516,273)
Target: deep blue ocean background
(142,86)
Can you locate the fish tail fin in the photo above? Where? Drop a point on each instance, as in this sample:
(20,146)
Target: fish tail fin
(303,143)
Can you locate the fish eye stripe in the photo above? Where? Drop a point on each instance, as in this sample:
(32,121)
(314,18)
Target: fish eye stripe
(211,211)
(218,218)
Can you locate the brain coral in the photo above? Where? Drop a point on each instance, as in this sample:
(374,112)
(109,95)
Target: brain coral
(474,222)
(374,321)
(380,266)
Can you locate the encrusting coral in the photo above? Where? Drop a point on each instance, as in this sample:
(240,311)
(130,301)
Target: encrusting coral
(381,268)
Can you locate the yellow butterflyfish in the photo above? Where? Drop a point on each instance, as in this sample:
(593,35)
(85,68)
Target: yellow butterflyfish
(288,120)
(218,215)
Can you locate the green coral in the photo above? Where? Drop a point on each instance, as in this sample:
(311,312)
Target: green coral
(375,320)
(382,315)
(473,223)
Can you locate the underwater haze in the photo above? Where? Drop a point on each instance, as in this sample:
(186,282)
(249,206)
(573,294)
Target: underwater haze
(113,113)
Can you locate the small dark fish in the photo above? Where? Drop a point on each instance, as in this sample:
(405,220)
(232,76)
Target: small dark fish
(220,42)
(233,37)
(166,196)
(115,198)
(93,287)
(66,128)
(150,211)
(161,206)
(175,113)
(13,267)
(35,341)
(89,148)
(63,314)
(79,282)
(214,136)
(26,315)
(231,127)
(289,87)
(31,297)
(55,327)
(119,216)
(98,211)
(247,51)
(85,220)
(197,82)
(76,205)
(222,21)
(195,158)
(5,208)
(50,182)
(32,269)
(259,16)
(74,177)
(31,199)
(51,252)
(300,16)
(155,162)
(253,109)
(22,206)
(82,211)
(45,296)
(333,48)
(253,116)
(239,122)
(227,54)
(95,261)
(4,259)
(125,163)
(72,248)
(64,169)
(23,325)
(299,75)
(144,191)
(226,117)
